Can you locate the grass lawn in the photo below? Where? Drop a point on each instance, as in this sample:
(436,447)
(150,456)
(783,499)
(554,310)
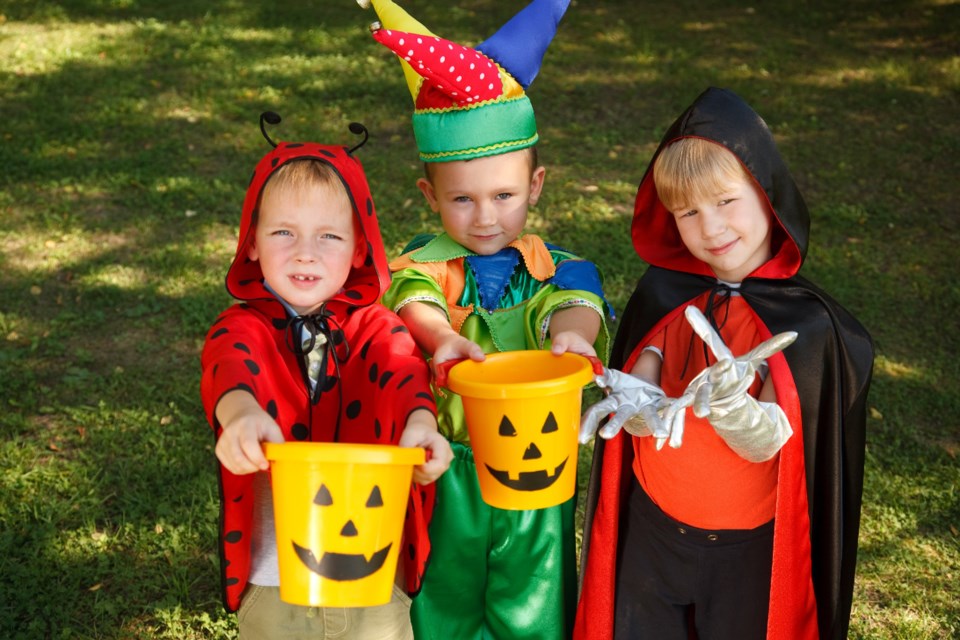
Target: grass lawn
(129,128)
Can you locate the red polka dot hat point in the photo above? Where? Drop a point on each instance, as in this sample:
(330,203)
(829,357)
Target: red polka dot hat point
(470,102)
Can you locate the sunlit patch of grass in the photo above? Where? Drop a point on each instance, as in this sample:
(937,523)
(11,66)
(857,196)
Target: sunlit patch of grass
(115,275)
(43,254)
(897,370)
(40,49)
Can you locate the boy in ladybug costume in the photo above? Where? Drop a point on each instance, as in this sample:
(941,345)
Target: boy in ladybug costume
(481,287)
(745,526)
(307,354)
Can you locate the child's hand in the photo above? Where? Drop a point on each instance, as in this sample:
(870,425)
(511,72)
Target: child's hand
(245,426)
(430,328)
(421,431)
(572,342)
(634,403)
(731,376)
(574,329)
(456,347)
(754,430)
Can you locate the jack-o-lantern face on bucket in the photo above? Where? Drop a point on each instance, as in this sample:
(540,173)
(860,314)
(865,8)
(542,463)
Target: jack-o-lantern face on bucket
(527,478)
(522,412)
(338,565)
(339,512)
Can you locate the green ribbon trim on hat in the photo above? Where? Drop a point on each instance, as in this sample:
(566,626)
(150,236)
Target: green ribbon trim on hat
(485,130)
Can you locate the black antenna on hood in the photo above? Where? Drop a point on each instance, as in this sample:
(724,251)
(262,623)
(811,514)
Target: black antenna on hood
(269,117)
(358,129)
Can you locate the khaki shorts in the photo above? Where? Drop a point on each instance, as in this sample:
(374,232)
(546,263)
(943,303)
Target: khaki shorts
(263,616)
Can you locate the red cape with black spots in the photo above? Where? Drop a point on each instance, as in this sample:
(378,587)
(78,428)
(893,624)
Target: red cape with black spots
(374,377)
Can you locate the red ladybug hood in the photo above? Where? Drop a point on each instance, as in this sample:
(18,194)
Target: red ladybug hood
(366,283)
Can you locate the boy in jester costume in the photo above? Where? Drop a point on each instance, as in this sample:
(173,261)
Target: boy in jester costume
(482,286)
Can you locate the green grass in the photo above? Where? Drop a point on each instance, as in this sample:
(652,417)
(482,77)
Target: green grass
(128,129)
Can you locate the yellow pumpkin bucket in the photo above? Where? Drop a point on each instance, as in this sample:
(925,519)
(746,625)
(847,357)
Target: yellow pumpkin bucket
(339,510)
(522,410)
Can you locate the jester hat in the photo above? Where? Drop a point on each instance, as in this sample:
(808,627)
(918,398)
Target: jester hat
(470,103)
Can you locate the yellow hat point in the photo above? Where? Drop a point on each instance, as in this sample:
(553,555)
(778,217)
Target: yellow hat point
(511,88)
(395,18)
(392,16)
(414,80)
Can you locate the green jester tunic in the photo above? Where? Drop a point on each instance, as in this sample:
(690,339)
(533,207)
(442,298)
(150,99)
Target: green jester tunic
(495,573)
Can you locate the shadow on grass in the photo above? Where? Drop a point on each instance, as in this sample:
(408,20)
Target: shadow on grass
(125,168)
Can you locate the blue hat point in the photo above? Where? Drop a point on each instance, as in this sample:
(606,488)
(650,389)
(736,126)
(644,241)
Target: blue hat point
(520,44)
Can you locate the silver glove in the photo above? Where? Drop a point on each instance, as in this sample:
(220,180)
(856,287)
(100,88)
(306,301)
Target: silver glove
(754,430)
(634,403)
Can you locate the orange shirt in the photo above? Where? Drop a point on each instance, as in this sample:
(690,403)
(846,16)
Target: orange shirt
(703,483)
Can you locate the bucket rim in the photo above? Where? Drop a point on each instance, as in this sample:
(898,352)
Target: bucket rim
(575,380)
(343,453)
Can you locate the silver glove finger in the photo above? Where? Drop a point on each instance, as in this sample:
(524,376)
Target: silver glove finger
(676,430)
(668,415)
(590,420)
(653,421)
(701,399)
(722,371)
(678,406)
(729,378)
(707,333)
(767,348)
(615,423)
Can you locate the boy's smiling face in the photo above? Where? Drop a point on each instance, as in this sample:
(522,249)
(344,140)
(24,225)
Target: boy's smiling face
(483,202)
(729,231)
(306,243)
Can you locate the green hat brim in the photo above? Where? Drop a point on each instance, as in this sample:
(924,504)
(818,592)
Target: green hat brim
(484,130)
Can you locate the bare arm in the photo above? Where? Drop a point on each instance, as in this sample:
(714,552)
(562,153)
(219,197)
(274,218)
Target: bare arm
(647,367)
(433,334)
(767,392)
(574,329)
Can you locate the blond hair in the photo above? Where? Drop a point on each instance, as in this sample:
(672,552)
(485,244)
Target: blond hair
(299,175)
(692,170)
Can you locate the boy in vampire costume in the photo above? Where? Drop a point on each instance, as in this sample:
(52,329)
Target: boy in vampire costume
(820,381)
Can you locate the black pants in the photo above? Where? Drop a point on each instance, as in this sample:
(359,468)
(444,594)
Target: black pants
(671,576)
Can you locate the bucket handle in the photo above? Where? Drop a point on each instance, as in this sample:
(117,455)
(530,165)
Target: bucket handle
(597,365)
(442,371)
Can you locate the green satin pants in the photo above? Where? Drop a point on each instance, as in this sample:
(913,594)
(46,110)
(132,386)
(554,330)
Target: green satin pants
(493,573)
